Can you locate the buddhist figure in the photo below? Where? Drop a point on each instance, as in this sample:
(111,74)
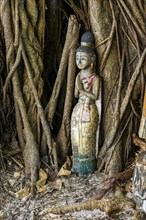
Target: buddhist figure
(84,120)
(142,127)
(139,177)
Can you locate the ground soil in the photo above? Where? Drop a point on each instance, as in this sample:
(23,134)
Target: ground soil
(63,191)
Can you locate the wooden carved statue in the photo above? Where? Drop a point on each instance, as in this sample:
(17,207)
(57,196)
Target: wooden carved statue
(142,128)
(84,120)
(139,177)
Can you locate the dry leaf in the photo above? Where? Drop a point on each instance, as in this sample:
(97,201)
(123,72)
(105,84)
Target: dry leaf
(57,184)
(23,192)
(64,172)
(17,174)
(42,189)
(66,168)
(42,174)
(42,180)
(40,184)
(128,186)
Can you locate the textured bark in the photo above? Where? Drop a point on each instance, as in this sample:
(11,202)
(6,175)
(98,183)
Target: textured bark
(139,142)
(2,163)
(114,68)
(71,41)
(19,125)
(103,28)
(110,183)
(2,62)
(41,24)
(63,138)
(44,122)
(31,154)
(32,47)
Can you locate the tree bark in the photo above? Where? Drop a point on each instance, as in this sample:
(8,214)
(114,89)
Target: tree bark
(71,41)
(63,138)
(103,29)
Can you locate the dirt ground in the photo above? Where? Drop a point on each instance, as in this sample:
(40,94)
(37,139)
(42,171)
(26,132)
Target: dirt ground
(65,190)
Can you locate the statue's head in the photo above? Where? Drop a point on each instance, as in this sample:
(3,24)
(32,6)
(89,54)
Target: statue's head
(87,44)
(85,53)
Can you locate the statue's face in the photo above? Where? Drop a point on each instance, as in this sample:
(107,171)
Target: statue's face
(83,60)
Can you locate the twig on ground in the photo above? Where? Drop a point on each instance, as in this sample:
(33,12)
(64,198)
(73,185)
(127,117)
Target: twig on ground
(17,162)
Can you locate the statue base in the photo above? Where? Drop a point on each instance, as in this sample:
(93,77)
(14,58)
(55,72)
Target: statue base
(84,164)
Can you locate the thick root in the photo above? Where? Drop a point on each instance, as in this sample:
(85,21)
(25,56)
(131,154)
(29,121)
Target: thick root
(118,203)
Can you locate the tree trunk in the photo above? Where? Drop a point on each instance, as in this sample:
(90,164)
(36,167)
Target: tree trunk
(103,27)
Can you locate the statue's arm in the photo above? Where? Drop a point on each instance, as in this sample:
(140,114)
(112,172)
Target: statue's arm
(91,94)
(76,86)
(95,89)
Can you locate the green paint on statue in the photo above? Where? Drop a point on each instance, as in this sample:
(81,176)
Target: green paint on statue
(84,164)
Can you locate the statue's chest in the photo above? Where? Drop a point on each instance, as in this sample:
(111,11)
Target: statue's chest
(87,81)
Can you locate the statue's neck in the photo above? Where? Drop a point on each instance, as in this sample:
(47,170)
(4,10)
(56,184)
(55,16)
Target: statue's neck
(86,72)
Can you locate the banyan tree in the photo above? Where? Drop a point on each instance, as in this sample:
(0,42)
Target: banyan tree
(37,73)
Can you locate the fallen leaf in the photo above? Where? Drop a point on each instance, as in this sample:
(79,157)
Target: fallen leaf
(17,174)
(42,181)
(57,184)
(23,192)
(66,168)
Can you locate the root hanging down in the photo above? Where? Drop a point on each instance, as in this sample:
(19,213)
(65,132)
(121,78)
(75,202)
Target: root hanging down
(2,163)
(12,71)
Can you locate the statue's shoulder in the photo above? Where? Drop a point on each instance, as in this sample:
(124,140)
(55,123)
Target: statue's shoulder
(96,77)
(78,74)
